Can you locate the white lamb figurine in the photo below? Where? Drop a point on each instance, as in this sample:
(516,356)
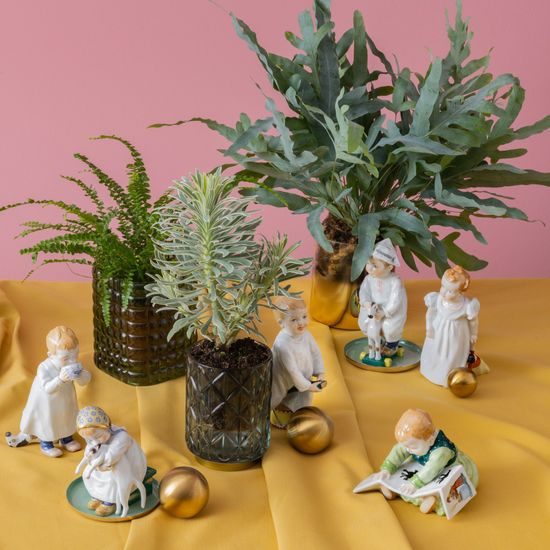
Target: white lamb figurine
(374,331)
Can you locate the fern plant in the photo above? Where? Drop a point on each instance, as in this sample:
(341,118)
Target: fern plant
(116,239)
(395,159)
(209,267)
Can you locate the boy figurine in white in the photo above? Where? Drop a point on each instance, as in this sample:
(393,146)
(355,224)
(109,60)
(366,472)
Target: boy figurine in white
(418,439)
(297,363)
(51,409)
(451,327)
(383,287)
(114,464)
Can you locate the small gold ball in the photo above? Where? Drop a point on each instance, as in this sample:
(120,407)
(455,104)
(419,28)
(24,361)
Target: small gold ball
(184,492)
(462,382)
(310,430)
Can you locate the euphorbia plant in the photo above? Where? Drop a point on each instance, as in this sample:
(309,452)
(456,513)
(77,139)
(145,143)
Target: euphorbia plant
(210,268)
(386,160)
(215,275)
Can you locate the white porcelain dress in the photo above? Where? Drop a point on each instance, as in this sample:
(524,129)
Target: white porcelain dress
(115,483)
(51,409)
(449,347)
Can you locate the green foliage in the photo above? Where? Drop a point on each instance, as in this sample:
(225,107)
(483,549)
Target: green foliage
(391,153)
(117,239)
(211,270)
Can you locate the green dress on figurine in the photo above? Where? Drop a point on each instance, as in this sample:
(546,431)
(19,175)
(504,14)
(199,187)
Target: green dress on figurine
(441,454)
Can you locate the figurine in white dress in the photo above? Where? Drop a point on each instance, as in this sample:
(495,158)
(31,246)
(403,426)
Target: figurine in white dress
(51,409)
(383,287)
(114,464)
(297,363)
(451,327)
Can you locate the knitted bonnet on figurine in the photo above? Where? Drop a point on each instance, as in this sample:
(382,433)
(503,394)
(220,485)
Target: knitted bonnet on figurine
(92,417)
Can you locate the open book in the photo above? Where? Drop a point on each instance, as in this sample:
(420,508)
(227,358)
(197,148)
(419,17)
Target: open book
(453,486)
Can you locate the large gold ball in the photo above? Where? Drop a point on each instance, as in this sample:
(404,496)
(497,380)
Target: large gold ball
(183,492)
(462,382)
(310,430)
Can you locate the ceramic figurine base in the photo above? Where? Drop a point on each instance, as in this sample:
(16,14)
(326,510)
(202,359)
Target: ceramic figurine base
(409,360)
(78,498)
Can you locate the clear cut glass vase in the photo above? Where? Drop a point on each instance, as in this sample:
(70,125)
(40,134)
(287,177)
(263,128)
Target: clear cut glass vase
(227,413)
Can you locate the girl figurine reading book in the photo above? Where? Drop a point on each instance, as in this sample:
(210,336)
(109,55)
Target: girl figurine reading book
(419,440)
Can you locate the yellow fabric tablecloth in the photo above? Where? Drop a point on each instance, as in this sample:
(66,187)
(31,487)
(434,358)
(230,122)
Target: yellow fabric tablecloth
(294,501)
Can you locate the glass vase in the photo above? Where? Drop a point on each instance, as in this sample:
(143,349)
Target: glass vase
(227,414)
(133,347)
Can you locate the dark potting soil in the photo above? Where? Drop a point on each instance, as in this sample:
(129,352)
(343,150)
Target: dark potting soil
(241,354)
(337,231)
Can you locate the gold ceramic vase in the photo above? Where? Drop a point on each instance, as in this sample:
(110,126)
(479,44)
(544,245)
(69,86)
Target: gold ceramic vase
(334,298)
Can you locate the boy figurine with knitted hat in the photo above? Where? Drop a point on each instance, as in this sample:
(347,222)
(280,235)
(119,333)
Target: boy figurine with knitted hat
(297,363)
(51,409)
(383,287)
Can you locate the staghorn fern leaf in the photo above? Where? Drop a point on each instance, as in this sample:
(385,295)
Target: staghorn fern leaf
(430,161)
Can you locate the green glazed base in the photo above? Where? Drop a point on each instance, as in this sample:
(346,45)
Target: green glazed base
(78,498)
(410,359)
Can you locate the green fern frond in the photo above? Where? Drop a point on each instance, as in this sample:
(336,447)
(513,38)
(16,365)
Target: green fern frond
(117,240)
(34,227)
(90,192)
(127,288)
(79,261)
(84,216)
(113,187)
(63,244)
(139,188)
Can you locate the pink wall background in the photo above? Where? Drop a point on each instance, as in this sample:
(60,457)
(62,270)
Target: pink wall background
(71,70)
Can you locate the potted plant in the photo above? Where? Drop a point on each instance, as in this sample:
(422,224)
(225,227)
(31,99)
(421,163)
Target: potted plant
(130,336)
(215,275)
(387,153)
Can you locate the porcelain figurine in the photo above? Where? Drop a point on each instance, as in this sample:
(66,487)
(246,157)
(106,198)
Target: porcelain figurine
(383,287)
(420,441)
(50,413)
(451,327)
(114,464)
(298,369)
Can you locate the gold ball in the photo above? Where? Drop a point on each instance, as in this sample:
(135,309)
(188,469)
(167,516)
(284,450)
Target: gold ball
(183,492)
(462,382)
(310,430)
